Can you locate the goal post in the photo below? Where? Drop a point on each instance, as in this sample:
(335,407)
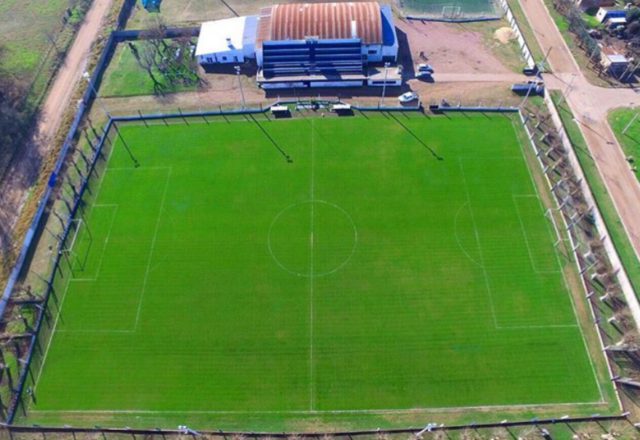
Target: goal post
(549,213)
(78,228)
(451,11)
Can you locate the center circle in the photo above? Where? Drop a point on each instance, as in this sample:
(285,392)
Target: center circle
(312,239)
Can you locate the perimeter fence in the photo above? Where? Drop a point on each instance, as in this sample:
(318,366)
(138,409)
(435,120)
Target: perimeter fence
(535,428)
(73,188)
(583,238)
(43,267)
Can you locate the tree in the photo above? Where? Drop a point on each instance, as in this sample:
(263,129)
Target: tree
(15,113)
(633,28)
(632,15)
(147,61)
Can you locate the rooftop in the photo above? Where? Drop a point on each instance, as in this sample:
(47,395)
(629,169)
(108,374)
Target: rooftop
(224,35)
(327,21)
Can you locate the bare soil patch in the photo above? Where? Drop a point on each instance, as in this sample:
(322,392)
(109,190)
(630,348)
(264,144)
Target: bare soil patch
(504,35)
(450,47)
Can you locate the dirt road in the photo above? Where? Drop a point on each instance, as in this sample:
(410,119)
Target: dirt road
(590,105)
(24,169)
(555,49)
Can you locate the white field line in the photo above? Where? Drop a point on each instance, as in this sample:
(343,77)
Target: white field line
(480,253)
(97,331)
(345,411)
(526,239)
(137,169)
(311,269)
(564,276)
(537,327)
(535,186)
(66,288)
(152,248)
(53,332)
(104,244)
(455,233)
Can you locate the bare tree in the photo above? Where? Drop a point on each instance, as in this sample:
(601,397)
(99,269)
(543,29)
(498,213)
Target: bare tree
(147,61)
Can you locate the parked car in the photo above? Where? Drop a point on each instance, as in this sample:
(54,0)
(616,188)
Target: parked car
(595,33)
(424,68)
(425,76)
(408,97)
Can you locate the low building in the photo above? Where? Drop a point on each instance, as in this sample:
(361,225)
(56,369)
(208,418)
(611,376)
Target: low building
(616,23)
(231,40)
(605,14)
(614,63)
(590,4)
(151,5)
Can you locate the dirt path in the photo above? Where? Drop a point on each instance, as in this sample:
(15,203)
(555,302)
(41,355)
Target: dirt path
(25,166)
(553,45)
(590,105)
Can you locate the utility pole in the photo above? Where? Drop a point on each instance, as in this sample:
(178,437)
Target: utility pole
(565,95)
(543,63)
(240,85)
(384,84)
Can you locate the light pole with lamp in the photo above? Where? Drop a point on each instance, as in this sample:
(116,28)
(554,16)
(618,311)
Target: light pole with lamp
(87,77)
(240,85)
(384,83)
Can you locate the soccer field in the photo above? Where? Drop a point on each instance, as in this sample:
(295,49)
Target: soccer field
(452,9)
(394,263)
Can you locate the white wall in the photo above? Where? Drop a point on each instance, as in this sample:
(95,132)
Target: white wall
(336,84)
(228,57)
(380,83)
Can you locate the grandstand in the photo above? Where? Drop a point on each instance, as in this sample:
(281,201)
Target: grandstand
(308,44)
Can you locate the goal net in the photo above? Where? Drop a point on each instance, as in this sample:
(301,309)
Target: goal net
(450,10)
(77,244)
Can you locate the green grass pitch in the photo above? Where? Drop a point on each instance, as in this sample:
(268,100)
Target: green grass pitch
(396,262)
(451,8)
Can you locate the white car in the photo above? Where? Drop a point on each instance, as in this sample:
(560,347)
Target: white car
(408,97)
(426,68)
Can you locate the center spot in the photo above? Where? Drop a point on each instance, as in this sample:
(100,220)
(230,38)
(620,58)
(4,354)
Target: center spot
(312,238)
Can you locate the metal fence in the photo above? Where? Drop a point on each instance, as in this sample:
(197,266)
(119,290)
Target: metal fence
(540,426)
(74,194)
(76,170)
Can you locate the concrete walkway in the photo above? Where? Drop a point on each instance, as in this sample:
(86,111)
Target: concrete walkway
(590,105)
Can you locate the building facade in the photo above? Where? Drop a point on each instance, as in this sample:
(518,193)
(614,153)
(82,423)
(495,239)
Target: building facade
(231,40)
(309,44)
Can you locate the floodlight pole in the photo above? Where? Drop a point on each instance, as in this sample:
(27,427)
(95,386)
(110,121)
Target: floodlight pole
(240,85)
(86,76)
(568,90)
(384,84)
(546,57)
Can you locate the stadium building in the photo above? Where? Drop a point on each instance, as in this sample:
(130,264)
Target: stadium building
(309,44)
